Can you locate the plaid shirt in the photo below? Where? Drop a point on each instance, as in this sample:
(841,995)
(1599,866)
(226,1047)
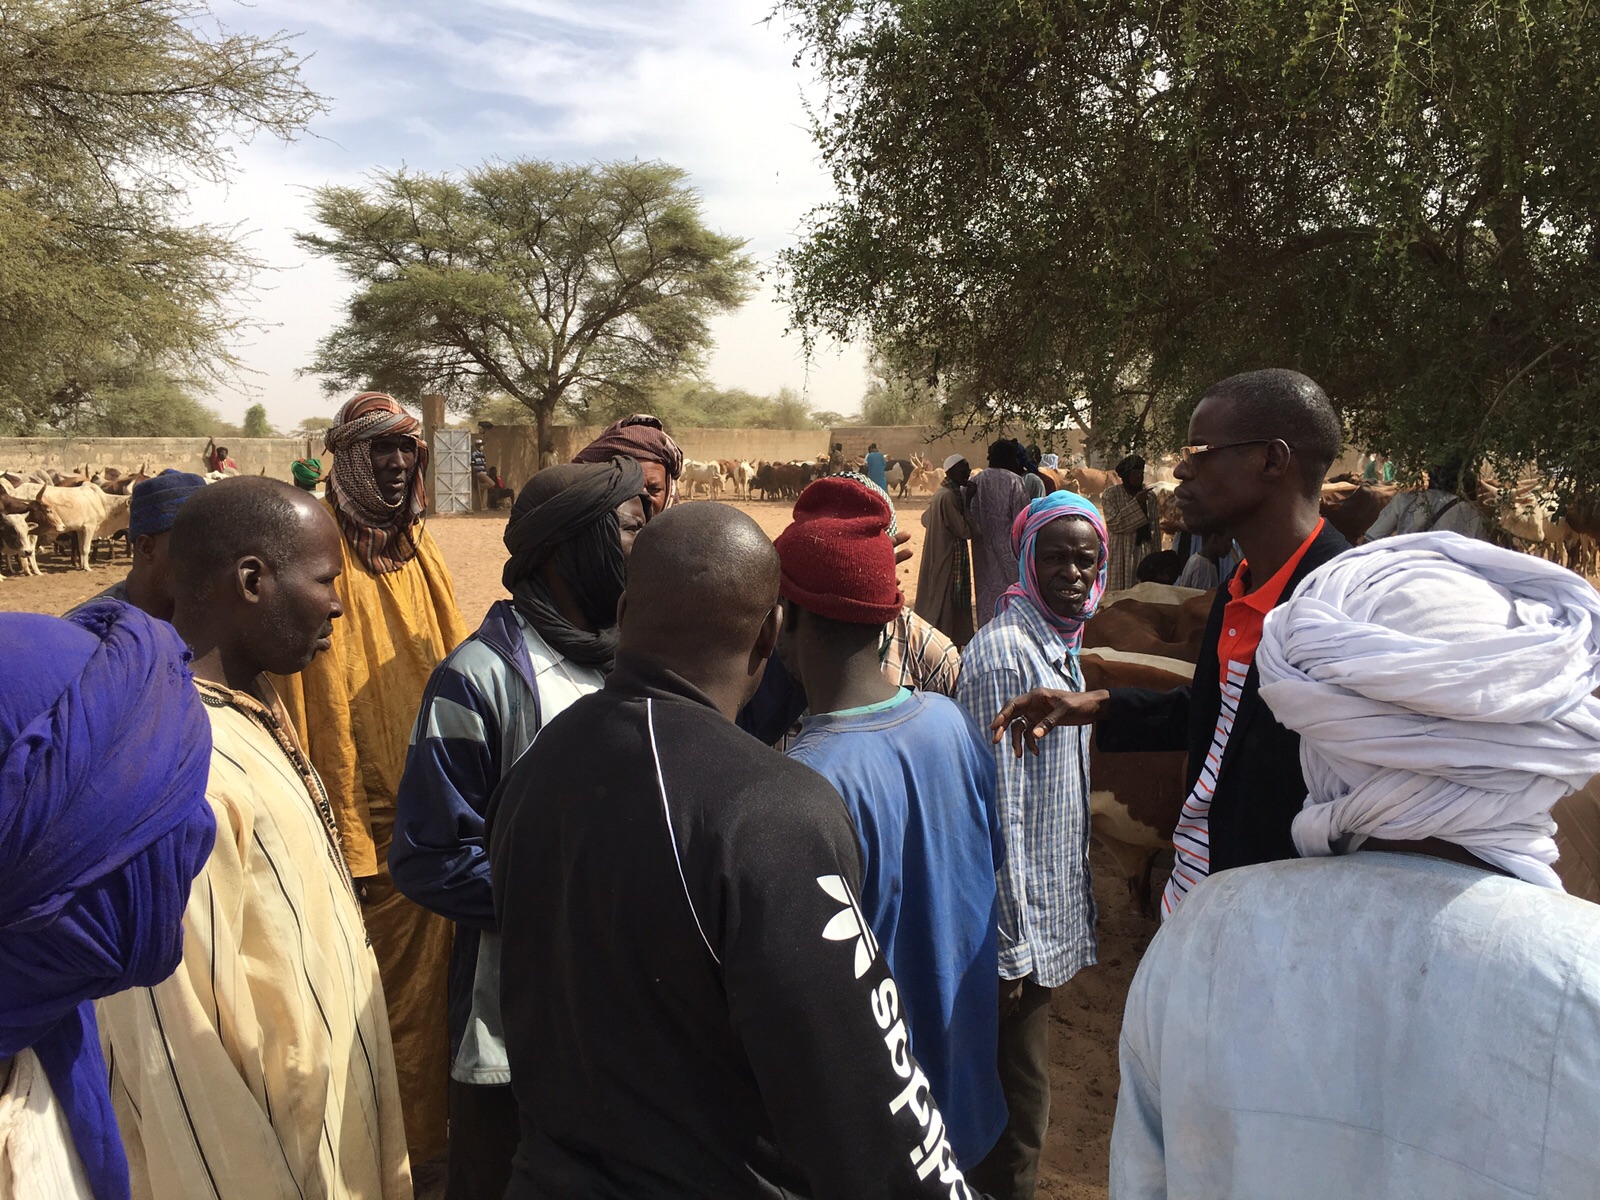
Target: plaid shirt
(1046,902)
(920,656)
(1126,516)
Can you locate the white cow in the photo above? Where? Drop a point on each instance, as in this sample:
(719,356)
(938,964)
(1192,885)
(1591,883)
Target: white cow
(85,512)
(700,474)
(16,535)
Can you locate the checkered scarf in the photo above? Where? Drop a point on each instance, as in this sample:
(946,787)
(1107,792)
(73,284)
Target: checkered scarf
(381,534)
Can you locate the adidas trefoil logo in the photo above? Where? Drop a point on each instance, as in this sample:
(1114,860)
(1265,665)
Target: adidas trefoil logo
(848,923)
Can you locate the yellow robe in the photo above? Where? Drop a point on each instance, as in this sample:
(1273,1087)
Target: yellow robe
(353,709)
(262,1068)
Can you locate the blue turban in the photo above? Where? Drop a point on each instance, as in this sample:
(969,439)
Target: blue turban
(105,749)
(156,501)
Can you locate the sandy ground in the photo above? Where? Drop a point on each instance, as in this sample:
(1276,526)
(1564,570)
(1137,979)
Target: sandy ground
(1087,1012)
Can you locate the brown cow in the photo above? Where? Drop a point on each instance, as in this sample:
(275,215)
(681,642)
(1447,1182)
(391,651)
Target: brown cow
(1089,481)
(1163,630)
(786,479)
(123,485)
(1135,799)
(1578,839)
(1351,508)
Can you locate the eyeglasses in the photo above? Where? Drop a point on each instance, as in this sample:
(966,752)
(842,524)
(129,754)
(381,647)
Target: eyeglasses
(1187,454)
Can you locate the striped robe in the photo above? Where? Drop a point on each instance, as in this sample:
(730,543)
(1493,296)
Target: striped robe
(262,1069)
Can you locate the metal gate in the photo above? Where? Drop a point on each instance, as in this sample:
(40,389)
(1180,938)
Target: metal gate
(452,470)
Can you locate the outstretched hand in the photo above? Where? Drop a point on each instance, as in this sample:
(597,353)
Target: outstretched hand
(902,552)
(1029,718)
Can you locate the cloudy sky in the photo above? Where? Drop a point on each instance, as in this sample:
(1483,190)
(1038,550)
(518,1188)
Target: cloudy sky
(439,85)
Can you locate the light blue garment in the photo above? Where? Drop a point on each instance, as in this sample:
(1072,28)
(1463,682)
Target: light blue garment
(1046,902)
(918,781)
(877,469)
(1375,1025)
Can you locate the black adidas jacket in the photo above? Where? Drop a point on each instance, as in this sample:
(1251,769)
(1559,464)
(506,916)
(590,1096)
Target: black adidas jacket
(693,1005)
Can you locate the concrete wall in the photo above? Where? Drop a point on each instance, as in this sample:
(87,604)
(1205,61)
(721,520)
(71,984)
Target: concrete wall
(902,441)
(513,449)
(156,454)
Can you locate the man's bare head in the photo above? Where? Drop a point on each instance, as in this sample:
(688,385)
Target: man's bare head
(702,599)
(254,565)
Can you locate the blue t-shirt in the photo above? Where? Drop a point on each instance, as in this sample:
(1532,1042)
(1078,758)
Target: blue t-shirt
(919,781)
(877,469)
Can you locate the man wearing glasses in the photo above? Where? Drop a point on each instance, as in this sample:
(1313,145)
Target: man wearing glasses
(1261,444)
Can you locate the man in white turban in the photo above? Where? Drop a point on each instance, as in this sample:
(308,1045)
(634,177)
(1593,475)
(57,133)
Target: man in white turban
(1412,1008)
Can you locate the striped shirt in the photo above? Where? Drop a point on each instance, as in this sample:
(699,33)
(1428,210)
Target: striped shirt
(1047,908)
(1242,620)
(263,1067)
(484,706)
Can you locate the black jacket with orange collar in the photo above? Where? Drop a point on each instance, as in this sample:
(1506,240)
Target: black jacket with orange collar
(1259,785)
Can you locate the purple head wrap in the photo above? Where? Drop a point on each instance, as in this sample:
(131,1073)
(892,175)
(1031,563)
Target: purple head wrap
(104,754)
(1025,532)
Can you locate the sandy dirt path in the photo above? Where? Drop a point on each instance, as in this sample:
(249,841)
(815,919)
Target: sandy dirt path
(1087,1013)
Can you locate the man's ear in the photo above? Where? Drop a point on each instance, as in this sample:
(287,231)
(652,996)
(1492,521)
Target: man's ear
(144,545)
(767,638)
(1279,460)
(250,575)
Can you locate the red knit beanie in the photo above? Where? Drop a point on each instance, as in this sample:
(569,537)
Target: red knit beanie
(837,559)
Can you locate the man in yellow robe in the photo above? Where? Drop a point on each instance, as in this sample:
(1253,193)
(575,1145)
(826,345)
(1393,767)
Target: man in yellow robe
(353,709)
(262,1069)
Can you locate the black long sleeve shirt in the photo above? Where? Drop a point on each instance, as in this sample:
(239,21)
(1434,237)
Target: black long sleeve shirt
(693,1003)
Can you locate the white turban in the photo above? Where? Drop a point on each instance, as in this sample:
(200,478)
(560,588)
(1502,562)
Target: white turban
(1441,688)
(1050,461)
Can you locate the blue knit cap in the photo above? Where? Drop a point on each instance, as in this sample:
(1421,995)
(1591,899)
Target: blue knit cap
(156,501)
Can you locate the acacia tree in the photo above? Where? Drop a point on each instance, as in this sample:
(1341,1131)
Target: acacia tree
(1092,209)
(553,284)
(109,109)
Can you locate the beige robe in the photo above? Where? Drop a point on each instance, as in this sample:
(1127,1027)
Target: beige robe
(262,1069)
(353,709)
(38,1160)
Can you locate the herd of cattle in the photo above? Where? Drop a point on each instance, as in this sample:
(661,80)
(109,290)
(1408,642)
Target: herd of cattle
(80,510)
(70,512)
(785,480)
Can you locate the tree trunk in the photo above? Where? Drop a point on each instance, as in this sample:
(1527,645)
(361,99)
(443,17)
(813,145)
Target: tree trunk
(542,412)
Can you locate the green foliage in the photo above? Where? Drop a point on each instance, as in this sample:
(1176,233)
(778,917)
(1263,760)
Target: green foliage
(108,110)
(110,400)
(579,287)
(1090,210)
(256,423)
(690,404)
(828,419)
(313,427)
(499,409)
(896,396)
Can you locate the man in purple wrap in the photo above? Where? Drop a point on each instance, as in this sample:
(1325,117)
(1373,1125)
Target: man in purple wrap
(104,753)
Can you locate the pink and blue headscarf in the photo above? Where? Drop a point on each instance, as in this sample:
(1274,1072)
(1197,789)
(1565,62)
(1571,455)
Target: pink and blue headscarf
(1025,532)
(105,750)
